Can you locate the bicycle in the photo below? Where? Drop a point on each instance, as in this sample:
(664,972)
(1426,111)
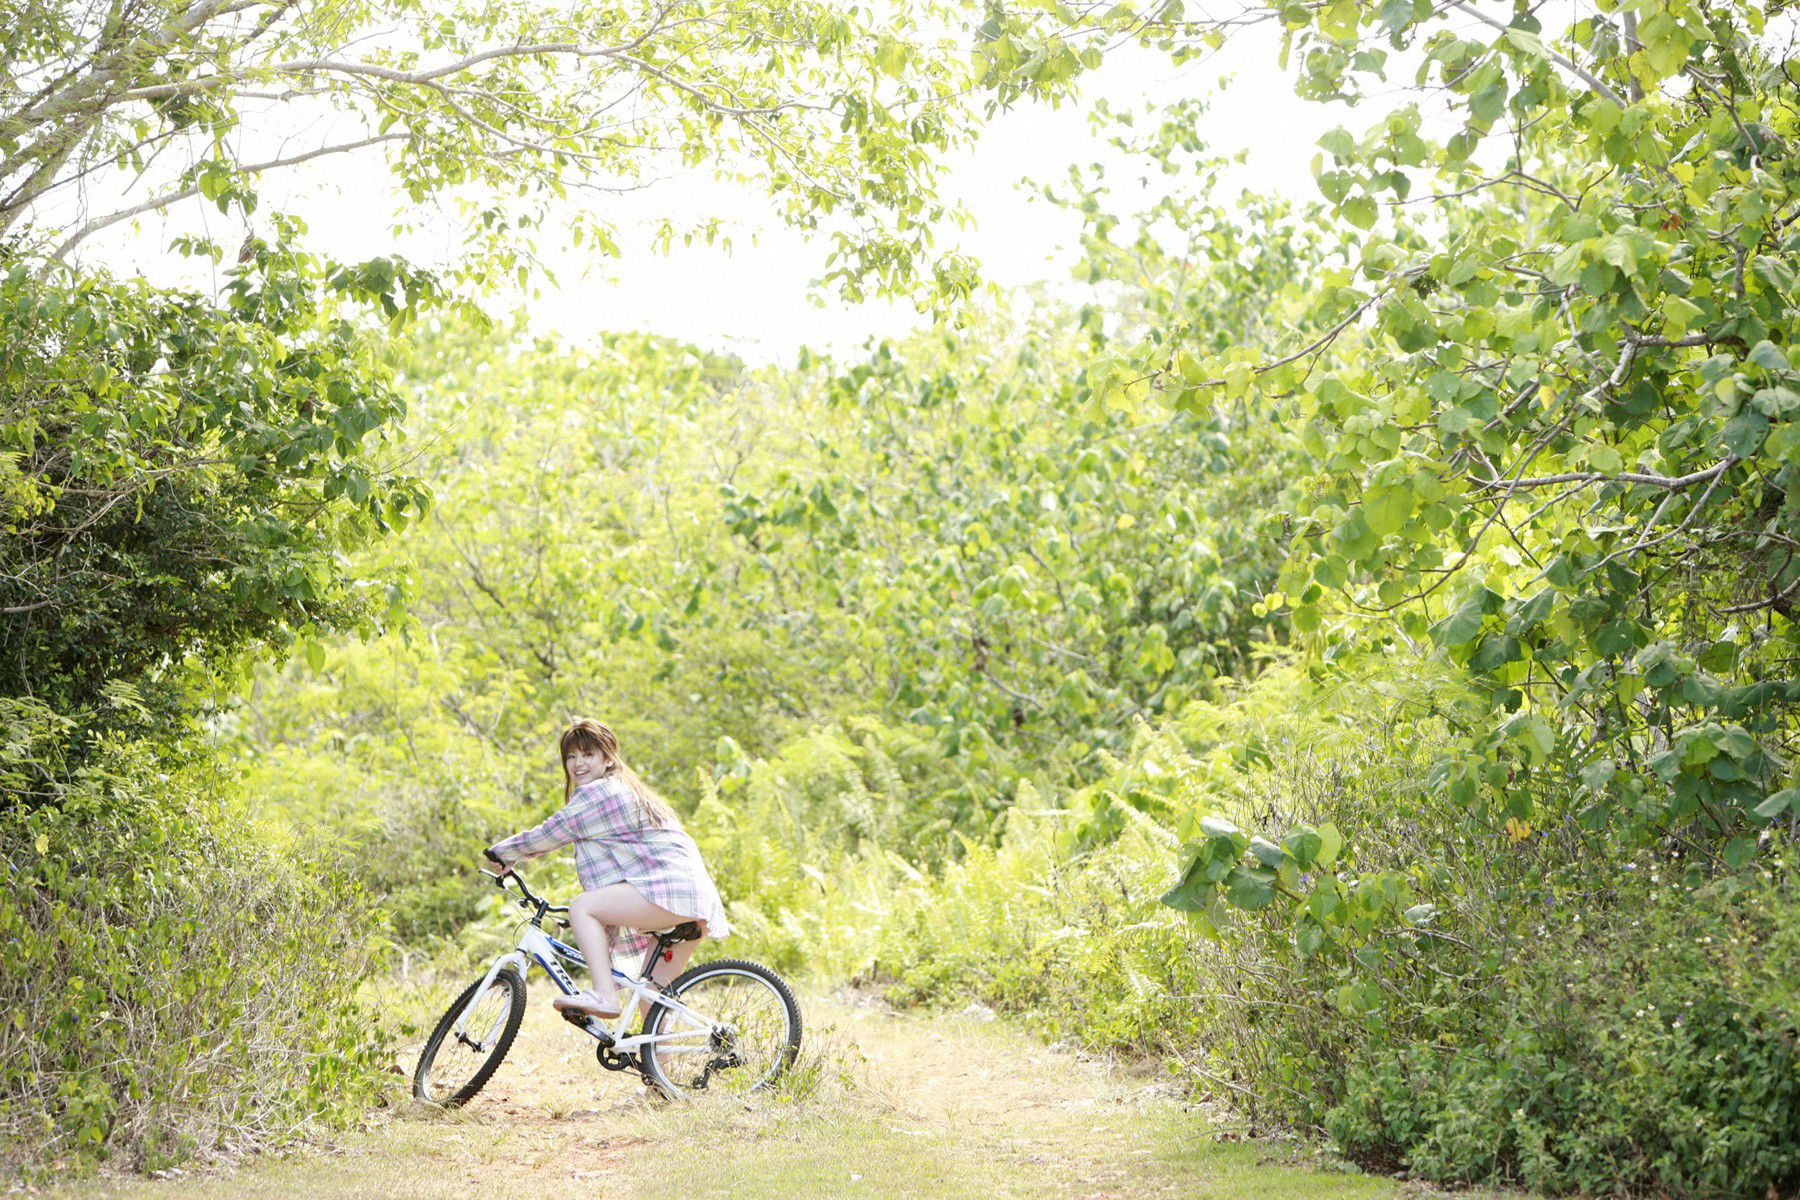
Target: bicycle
(729,1025)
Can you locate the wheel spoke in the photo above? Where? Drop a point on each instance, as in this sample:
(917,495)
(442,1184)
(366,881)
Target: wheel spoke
(750,1041)
(469,1043)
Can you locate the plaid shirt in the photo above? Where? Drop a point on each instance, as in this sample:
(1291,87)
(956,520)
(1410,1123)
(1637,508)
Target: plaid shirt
(616,843)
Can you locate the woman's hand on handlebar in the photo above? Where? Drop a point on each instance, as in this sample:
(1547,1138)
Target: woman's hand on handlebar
(499,868)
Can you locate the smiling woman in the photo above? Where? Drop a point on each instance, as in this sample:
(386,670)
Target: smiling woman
(639,869)
(183,472)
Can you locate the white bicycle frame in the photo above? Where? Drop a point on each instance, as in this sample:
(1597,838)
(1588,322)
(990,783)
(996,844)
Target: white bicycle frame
(537,947)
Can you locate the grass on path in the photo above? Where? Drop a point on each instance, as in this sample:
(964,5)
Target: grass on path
(889,1105)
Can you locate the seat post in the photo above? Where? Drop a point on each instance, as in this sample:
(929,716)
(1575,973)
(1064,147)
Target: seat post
(663,942)
(687,931)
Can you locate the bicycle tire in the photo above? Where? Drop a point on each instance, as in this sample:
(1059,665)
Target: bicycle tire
(511,1017)
(705,988)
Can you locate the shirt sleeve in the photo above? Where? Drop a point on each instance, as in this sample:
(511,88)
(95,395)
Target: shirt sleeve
(596,810)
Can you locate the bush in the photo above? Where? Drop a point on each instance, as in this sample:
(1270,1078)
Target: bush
(175,984)
(1659,1055)
(1565,1019)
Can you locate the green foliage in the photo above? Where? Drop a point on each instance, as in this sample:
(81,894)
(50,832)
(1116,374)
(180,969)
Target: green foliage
(776,832)
(925,557)
(490,115)
(1655,1056)
(1549,1027)
(178,479)
(1540,366)
(1556,450)
(1031,565)
(963,644)
(175,985)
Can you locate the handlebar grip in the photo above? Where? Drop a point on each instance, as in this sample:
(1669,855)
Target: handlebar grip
(492,857)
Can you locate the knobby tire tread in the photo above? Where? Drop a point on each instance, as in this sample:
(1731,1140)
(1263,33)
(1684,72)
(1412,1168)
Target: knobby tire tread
(514,1018)
(653,1023)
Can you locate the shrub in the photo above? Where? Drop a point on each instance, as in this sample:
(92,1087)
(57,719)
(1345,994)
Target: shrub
(1565,1018)
(176,985)
(1659,1054)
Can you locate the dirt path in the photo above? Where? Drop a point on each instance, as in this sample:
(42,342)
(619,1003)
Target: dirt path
(903,1105)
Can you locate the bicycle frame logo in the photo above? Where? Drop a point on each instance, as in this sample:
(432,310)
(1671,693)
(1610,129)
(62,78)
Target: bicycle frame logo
(536,946)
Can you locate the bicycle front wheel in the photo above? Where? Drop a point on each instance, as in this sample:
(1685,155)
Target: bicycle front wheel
(471,1038)
(729,1026)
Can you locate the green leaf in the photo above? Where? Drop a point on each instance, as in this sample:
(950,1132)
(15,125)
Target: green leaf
(1486,105)
(1330,842)
(1460,627)
(1788,799)
(1776,401)
(1304,843)
(1267,852)
(1597,775)
(1250,888)
(1739,744)
(1769,356)
(1419,915)
(1387,509)
(1743,434)
(1339,143)
(1738,851)
(1355,537)
(1219,827)
(1532,613)
(1192,893)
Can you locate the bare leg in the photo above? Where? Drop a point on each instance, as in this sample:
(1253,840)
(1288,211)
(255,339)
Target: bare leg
(675,964)
(669,968)
(616,904)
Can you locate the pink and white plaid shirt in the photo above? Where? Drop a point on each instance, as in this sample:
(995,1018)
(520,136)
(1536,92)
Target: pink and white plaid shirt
(615,842)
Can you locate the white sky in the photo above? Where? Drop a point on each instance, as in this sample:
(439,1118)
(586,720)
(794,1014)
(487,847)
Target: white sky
(757,299)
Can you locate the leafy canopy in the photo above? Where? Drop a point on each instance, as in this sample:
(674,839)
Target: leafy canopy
(1546,376)
(512,120)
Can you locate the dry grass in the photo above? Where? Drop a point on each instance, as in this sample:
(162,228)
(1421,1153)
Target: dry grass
(885,1104)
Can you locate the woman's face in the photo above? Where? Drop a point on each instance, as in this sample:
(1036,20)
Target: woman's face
(583,766)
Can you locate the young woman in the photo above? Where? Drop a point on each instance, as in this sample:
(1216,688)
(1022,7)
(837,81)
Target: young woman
(639,869)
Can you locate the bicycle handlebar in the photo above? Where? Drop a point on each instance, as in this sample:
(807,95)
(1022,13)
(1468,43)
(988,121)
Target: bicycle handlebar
(526,898)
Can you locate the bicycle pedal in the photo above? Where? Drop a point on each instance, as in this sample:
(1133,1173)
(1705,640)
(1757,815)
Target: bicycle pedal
(588,1025)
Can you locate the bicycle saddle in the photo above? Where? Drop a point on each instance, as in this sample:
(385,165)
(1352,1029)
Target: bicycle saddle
(687,931)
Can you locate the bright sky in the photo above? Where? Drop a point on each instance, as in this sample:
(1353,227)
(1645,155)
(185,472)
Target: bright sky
(756,300)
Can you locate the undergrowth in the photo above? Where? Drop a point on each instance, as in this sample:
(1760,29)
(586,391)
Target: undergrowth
(1574,1017)
(175,985)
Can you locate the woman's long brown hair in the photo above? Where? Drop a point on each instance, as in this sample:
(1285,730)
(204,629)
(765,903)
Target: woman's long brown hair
(586,734)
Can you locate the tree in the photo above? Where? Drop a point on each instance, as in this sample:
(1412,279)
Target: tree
(180,475)
(499,109)
(1553,414)
(178,480)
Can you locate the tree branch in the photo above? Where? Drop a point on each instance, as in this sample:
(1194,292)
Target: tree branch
(1567,64)
(167,198)
(1672,482)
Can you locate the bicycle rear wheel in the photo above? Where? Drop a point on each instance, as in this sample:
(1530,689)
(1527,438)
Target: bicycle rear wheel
(737,1030)
(455,1065)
